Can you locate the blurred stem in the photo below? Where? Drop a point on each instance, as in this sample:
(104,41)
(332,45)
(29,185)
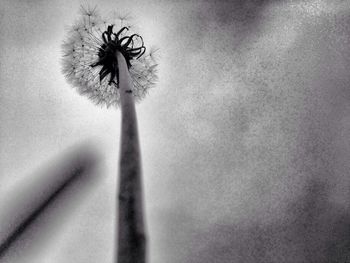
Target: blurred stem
(131,227)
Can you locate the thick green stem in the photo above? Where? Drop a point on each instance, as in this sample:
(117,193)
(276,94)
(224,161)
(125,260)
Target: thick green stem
(131,227)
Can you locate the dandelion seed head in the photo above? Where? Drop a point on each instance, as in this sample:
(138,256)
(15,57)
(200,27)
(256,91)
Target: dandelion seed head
(81,50)
(87,10)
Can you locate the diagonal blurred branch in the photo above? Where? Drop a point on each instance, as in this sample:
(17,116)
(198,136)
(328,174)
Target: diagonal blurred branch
(31,199)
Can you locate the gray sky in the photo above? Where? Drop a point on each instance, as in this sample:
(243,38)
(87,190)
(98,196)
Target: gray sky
(244,140)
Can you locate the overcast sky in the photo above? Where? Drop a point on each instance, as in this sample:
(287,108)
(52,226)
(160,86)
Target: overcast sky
(245,139)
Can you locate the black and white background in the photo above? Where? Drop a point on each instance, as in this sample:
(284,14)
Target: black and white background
(245,140)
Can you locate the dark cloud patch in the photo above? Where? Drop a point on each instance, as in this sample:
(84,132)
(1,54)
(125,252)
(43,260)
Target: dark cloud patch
(237,19)
(239,11)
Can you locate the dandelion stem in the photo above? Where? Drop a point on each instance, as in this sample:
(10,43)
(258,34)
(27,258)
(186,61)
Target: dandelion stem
(131,226)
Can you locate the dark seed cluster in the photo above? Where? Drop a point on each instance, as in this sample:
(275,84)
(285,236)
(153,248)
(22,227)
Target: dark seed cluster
(107,52)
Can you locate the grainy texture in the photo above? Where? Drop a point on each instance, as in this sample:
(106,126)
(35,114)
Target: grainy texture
(245,140)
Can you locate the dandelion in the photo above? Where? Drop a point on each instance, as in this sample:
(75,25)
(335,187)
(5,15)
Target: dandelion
(89,63)
(108,63)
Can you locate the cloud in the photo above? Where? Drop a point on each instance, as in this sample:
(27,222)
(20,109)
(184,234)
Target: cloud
(273,107)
